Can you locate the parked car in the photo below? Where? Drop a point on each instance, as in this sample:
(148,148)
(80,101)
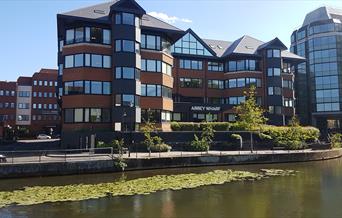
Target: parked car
(3,158)
(43,136)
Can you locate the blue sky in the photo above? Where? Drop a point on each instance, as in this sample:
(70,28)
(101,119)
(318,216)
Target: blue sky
(28,38)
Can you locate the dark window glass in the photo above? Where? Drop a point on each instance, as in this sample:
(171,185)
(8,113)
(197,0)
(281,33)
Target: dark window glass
(79,34)
(95,115)
(69,115)
(106,37)
(96,35)
(128,100)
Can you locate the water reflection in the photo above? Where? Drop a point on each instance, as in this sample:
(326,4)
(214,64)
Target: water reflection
(314,192)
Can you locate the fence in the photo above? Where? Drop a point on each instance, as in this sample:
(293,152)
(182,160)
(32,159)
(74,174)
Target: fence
(74,155)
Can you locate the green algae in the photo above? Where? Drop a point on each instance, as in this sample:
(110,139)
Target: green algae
(141,186)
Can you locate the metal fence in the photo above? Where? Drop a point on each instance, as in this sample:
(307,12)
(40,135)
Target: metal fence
(74,155)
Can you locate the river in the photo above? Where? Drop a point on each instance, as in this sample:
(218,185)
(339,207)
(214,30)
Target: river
(316,191)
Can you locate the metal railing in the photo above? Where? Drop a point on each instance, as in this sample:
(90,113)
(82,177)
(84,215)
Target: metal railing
(97,154)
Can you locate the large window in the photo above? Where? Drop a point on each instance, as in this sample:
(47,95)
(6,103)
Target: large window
(87,87)
(273,71)
(126,18)
(288,102)
(215,66)
(330,27)
(190,64)
(88,34)
(273,53)
(152,90)
(322,56)
(274,90)
(188,44)
(127,46)
(156,66)
(288,84)
(127,73)
(235,100)
(126,100)
(87,115)
(190,83)
(24,94)
(243,82)
(241,65)
(320,43)
(88,60)
(215,84)
(150,42)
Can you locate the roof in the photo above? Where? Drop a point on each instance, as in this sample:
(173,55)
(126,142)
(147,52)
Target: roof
(322,13)
(218,46)
(290,55)
(101,12)
(244,45)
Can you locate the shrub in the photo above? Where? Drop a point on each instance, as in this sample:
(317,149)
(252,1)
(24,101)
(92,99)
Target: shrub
(199,144)
(160,148)
(101,144)
(336,140)
(204,143)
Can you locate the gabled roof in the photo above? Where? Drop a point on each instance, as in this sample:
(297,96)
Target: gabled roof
(273,43)
(290,55)
(128,5)
(244,45)
(101,12)
(218,46)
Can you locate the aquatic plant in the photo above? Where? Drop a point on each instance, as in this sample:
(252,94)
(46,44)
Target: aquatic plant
(141,186)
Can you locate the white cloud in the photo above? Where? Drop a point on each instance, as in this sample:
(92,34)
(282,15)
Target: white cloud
(169,19)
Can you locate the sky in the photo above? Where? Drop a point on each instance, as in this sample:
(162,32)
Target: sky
(28,35)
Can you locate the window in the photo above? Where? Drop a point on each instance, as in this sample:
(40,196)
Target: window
(151,90)
(190,83)
(289,84)
(188,44)
(190,64)
(124,18)
(106,37)
(126,46)
(152,66)
(275,109)
(23,94)
(35,82)
(127,73)
(89,60)
(79,34)
(215,84)
(274,91)
(69,62)
(273,71)
(241,82)
(23,117)
(87,87)
(23,106)
(273,53)
(70,36)
(126,100)
(242,65)
(235,100)
(78,60)
(215,66)
(150,42)
(288,102)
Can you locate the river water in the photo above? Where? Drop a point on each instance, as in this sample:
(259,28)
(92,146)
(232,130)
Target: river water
(315,192)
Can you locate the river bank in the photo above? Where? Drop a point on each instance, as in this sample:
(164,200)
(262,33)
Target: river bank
(143,161)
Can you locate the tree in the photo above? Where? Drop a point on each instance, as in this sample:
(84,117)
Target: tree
(250,116)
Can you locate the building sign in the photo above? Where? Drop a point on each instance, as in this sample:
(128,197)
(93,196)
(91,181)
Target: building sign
(205,108)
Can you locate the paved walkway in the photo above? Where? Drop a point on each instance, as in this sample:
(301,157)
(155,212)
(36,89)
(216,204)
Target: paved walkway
(89,156)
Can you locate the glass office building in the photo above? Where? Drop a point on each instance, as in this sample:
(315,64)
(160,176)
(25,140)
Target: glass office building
(318,81)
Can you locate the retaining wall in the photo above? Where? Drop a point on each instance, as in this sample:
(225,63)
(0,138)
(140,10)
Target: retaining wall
(102,166)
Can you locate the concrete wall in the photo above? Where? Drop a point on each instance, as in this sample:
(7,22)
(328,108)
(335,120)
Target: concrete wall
(84,167)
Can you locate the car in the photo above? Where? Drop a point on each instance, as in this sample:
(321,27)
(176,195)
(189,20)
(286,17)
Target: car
(43,136)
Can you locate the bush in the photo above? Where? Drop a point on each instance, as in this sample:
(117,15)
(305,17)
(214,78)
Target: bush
(336,140)
(160,148)
(199,144)
(101,144)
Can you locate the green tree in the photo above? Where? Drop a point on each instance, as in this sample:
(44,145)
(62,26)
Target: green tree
(250,116)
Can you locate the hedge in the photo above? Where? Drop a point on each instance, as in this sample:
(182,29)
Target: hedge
(307,134)
(188,126)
